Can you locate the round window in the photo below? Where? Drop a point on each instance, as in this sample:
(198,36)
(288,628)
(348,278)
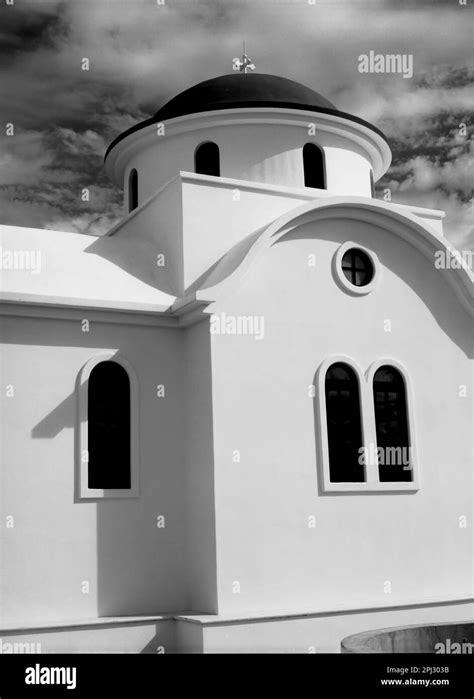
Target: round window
(357,267)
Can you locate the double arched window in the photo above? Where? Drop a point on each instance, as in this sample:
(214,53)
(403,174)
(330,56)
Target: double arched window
(313,165)
(377,452)
(133,190)
(207,159)
(108,443)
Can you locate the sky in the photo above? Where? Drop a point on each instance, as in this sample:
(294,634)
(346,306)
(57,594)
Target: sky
(142,52)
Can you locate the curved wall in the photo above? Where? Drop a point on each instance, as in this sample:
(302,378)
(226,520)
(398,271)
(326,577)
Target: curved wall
(456,638)
(262,147)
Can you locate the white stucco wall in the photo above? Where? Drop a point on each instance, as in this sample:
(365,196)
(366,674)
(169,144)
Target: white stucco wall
(321,633)
(361,542)
(233,393)
(57,542)
(265,153)
(194,220)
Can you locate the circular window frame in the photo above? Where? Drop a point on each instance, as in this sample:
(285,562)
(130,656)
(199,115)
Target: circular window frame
(341,278)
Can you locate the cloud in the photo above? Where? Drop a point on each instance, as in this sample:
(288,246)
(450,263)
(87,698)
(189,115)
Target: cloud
(82,144)
(424,175)
(141,53)
(24,158)
(88,224)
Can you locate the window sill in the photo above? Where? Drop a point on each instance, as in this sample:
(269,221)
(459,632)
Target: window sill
(390,487)
(108,494)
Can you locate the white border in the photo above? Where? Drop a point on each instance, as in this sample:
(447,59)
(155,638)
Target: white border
(341,278)
(83,490)
(367,413)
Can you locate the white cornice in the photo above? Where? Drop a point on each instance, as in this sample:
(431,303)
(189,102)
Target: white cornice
(65,309)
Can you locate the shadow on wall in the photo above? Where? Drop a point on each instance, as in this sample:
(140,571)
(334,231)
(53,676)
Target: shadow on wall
(164,641)
(201,546)
(140,567)
(405,261)
(139,258)
(62,416)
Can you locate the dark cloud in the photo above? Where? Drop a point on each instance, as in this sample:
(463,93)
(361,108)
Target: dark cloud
(25,30)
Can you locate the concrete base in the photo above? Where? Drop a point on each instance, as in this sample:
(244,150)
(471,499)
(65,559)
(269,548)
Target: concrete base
(312,632)
(456,639)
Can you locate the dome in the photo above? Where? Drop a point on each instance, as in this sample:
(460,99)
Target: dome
(239,90)
(243,91)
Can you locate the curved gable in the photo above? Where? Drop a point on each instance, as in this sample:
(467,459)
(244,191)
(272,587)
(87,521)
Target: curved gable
(227,275)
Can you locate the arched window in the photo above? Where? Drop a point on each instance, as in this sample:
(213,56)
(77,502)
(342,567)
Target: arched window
(108,409)
(391,423)
(344,427)
(313,164)
(206,159)
(133,190)
(372,183)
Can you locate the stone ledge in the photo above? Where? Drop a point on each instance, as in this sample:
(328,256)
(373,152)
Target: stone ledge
(230,618)
(85,623)
(216,619)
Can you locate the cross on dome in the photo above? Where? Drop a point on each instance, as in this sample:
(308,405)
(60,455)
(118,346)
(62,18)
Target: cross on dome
(244,64)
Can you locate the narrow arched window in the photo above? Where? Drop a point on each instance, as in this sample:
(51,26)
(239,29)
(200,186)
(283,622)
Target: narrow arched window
(206,159)
(372,183)
(133,190)
(108,408)
(344,427)
(391,423)
(313,163)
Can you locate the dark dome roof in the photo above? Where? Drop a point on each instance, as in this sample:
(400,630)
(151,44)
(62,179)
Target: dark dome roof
(243,90)
(239,90)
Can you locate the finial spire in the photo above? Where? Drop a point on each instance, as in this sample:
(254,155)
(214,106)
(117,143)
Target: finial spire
(244,64)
